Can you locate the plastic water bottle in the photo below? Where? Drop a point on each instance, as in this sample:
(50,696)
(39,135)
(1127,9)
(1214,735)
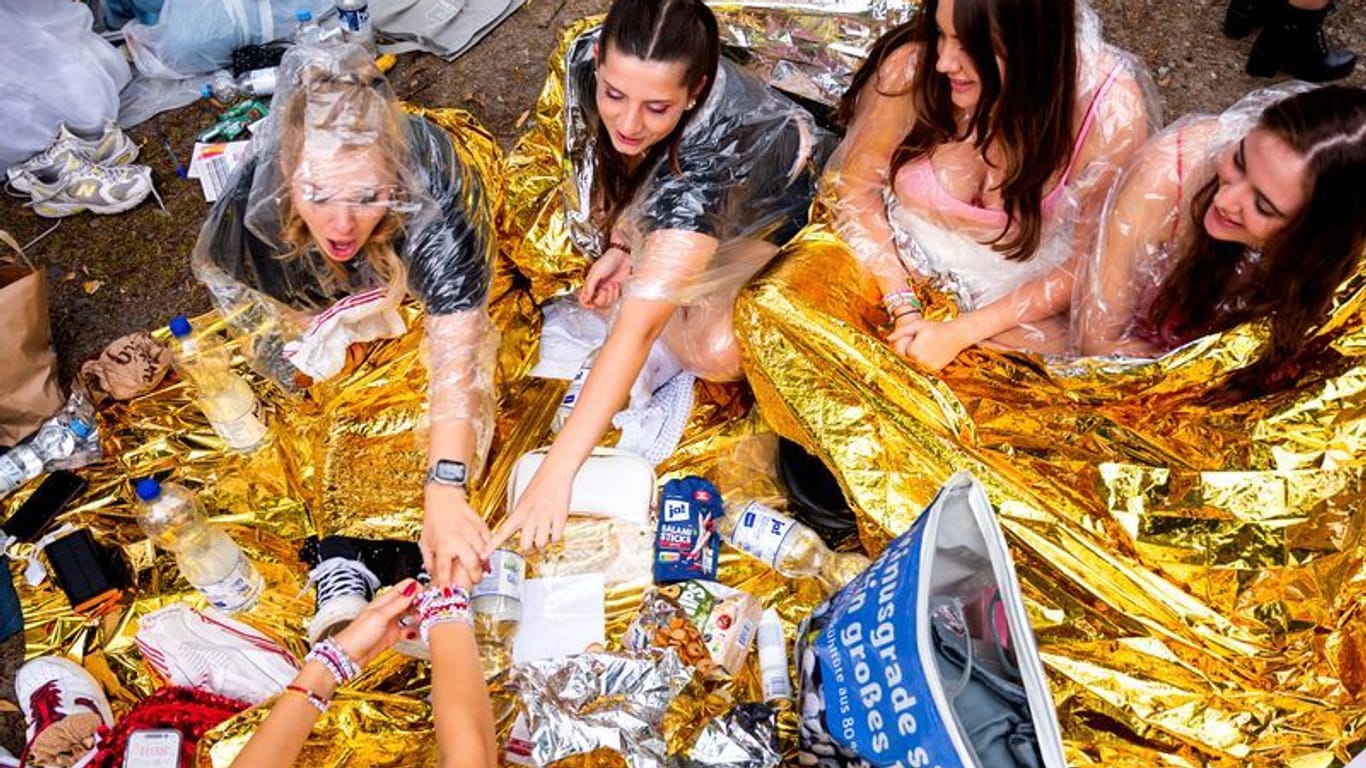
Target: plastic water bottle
(355,22)
(307,32)
(18,466)
(222,88)
(225,397)
(208,558)
(571,395)
(63,442)
(497,605)
(786,545)
(258,82)
(226,89)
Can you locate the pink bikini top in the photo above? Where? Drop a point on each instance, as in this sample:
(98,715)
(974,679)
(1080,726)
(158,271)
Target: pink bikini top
(918,186)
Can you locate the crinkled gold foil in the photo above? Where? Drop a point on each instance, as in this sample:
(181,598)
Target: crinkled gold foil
(347,458)
(1194,574)
(808,48)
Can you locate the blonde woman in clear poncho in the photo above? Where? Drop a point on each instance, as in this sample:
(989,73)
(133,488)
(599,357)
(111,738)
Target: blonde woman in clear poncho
(686,175)
(981,138)
(345,205)
(1255,214)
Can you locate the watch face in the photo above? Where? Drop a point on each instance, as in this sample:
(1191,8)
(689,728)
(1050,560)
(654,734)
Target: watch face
(447,471)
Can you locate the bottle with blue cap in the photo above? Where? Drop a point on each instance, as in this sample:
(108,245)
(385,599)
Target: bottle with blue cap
(224,396)
(65,441)
(208,558)
(307,31)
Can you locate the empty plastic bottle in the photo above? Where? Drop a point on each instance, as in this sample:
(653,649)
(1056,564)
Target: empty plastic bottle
(222,88)
(63,442)
(225,397)
(786,545)
(226,89)
(18,466)
(208,558)
(497,605)
(354,16)
(571,395)
(307,31)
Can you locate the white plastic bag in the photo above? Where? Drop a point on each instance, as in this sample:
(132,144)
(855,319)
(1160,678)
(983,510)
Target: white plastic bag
(197,36)
(56,70)
(148,96)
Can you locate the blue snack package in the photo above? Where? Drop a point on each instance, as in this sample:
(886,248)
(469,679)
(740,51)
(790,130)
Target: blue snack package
(686,543)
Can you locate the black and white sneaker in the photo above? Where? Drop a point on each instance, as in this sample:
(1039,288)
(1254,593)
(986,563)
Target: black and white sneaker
(345,587)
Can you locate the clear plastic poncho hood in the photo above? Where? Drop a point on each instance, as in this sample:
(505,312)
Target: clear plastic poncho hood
(749,158)
(1147,215)
(344,204)
(908,227)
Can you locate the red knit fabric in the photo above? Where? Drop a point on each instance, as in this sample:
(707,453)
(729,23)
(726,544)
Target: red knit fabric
(189,710)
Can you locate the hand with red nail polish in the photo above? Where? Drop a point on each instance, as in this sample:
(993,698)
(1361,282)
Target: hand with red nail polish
(378,626)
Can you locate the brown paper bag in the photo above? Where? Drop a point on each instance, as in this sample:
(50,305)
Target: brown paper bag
(29,394)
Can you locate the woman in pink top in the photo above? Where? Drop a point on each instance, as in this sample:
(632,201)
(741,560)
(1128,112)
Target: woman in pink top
(981,137)
(1255,214)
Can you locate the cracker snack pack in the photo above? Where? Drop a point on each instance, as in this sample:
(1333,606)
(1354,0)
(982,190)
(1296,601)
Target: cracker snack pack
(710,625)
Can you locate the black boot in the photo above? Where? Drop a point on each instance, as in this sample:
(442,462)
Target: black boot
(1243,17)
(1293,42)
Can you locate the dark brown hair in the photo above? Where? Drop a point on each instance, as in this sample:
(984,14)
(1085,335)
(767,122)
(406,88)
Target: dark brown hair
(1301,265)
(1027,110)
(654,30)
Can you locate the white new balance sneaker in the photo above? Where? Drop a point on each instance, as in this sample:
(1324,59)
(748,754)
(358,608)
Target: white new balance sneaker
(68,150)
(87,187)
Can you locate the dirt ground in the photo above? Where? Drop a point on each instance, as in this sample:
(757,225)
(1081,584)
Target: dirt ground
(112,275)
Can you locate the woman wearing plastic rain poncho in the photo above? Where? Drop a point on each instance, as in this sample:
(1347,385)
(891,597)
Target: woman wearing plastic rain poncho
(687,174)
(982,136)
(345,204)
(1257,213)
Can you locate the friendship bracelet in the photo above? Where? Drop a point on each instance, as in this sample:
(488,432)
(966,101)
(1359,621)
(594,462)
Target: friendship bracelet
(317,701)
(897,299)
(343,668)
(626,249)
(333,665)
(436,607)
(909,311)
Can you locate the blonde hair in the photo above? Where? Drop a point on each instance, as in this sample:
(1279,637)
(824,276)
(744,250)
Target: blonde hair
(364,120)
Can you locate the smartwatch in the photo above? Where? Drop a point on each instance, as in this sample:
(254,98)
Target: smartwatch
(447,472)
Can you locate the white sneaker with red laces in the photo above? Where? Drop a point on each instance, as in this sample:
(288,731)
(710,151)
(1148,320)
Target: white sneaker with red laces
(53,689)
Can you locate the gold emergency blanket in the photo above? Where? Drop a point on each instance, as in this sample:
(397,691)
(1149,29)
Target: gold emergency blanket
(349,459)
(1194,574)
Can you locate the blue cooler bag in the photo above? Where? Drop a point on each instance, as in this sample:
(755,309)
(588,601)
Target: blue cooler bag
(927,657)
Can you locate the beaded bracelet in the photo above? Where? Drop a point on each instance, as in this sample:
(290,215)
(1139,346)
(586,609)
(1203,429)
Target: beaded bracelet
(330,655)
(436,607)
(897,299)
(317,701)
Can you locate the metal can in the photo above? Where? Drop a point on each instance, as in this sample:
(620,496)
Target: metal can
(499,594)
